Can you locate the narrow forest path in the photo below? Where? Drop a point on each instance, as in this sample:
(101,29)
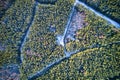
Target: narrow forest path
(51,65)
(27,32)
(62,39)
(117,25)
(63,43)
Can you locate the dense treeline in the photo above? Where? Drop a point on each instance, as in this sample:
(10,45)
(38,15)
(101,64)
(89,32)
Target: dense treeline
(13,26)
(97,63)
(110,8)
(41,48)
(96,32)
(4,5)
(7,57)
